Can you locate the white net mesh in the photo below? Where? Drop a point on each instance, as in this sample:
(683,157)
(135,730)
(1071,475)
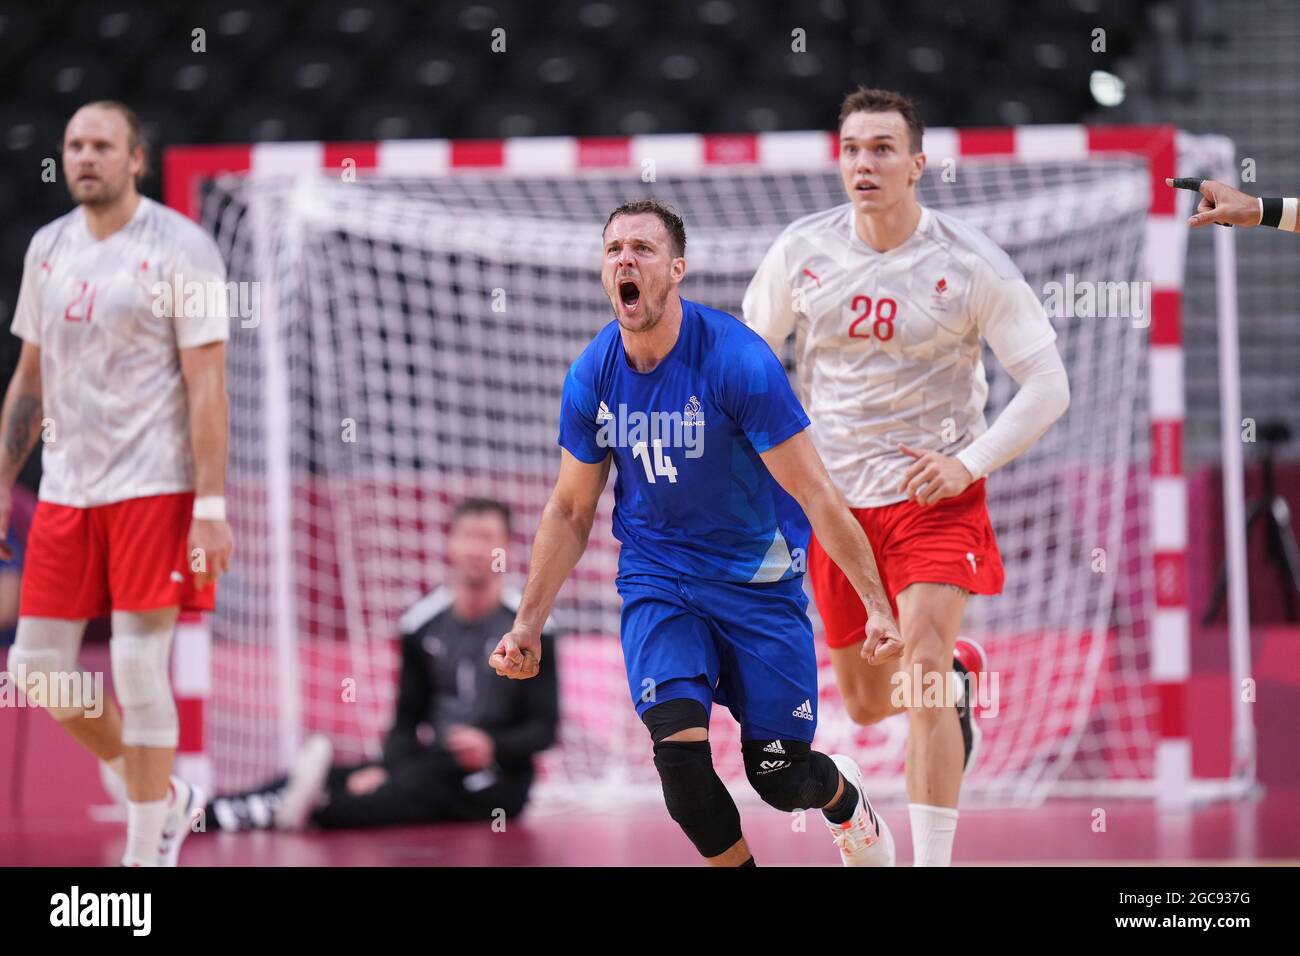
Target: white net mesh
(409,350)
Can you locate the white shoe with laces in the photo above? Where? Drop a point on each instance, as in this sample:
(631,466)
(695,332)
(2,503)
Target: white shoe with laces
(864,838)
(185,808)
(303,793)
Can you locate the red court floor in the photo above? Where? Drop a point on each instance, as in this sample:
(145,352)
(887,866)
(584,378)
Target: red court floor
(1263,830)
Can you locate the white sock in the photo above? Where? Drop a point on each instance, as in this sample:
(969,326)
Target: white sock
(177,793)
(932,831)
(144,826)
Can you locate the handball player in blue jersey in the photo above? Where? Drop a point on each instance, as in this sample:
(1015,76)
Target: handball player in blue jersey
(717,483)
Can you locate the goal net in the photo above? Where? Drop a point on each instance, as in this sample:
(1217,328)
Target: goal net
(407,348)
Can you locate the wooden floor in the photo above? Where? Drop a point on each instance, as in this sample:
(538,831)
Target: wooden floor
(1265,830)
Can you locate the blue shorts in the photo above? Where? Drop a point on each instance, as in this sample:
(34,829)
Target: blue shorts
(747,646)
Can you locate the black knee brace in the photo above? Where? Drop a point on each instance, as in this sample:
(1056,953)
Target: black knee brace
(695,797)
(789,774)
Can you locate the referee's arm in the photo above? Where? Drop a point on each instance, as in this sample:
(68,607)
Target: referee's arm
(1222,204)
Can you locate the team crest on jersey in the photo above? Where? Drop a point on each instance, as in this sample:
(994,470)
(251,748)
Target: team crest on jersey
(939,300)
(693,414)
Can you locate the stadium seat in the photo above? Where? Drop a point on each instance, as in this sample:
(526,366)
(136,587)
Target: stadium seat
(18,29)
(681,70)
(438,73)
(468,24)
(721,24)
(28,136)
(391,119)
(602,26)
(8,198)
(1018,105)
(988,18)
(761,111)
(1057,59)
(163,126)
(313,77)
(119,28)
(243,26)
(819,71)
(355,25)
(927,60)
(637,114)
(514,115)
(66,80)
(269,121)
(191,83)
(557,71)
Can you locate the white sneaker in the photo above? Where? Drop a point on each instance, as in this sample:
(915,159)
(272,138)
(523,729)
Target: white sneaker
(186,807)
(302,793)
(863,839)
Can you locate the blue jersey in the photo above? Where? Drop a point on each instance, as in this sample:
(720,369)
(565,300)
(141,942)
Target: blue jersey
(692,495)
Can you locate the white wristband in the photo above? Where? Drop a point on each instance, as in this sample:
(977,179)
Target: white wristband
(1288,221)
(210,508)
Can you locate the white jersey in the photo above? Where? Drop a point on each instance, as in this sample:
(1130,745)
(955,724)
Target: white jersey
(887,344)
(114,401)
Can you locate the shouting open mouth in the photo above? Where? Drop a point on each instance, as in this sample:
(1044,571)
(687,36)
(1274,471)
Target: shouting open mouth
(629,294)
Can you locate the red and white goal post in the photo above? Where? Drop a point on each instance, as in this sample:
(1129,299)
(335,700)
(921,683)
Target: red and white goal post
(429,295)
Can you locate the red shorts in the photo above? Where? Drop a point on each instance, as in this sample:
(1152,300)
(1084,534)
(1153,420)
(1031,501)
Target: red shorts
(951,542)
(127,556)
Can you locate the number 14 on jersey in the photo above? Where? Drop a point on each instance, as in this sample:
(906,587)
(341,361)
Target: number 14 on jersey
(663,465)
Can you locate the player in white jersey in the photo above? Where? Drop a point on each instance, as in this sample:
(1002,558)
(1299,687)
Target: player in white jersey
(889,301)
(124,384)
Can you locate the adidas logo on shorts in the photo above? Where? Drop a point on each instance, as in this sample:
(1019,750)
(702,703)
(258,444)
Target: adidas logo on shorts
(774,748)
(804,710)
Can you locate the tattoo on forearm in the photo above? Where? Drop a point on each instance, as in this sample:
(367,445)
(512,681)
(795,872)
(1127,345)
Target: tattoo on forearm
(24,421)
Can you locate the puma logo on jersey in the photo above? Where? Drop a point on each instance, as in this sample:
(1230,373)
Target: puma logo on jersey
(809,273)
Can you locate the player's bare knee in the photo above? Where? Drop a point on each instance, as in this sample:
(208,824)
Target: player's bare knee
(690,734)
(864,710)
(926,651)
(139,651)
